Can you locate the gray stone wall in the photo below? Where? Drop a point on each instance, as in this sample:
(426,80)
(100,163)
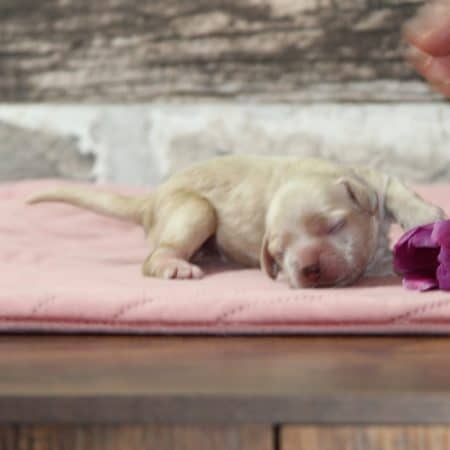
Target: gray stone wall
(32,153)
(141,145)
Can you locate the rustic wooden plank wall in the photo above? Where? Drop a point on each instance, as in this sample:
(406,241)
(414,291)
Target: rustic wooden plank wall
(153,437)
(135,51)
(366,438)
(134,437)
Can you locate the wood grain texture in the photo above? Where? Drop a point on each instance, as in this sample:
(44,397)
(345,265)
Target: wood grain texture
(366,438)
(127,50)
(134,437)
(178,380)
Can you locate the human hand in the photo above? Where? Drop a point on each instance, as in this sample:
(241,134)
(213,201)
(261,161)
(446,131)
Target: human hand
(428,34)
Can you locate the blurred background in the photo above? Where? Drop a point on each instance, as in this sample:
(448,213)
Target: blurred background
(128,91)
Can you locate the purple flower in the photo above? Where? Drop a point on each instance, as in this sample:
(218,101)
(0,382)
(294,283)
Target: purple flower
(422,257)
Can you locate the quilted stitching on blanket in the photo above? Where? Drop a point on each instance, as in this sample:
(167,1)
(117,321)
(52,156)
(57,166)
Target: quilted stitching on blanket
(64,269)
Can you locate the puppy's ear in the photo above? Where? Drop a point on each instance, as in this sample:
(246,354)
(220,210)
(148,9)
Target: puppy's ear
(267,261)
(363,197)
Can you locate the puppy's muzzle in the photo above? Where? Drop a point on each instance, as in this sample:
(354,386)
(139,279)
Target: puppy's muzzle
(318,267)
(311,274)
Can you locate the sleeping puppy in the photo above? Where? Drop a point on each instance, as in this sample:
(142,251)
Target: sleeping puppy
(310,221)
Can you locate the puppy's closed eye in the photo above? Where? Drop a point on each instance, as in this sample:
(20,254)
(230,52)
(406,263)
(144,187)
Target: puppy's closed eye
(325,223)
(337,226)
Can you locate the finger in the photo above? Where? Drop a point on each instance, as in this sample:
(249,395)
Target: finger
(429,30)
(442,88)
(435,70)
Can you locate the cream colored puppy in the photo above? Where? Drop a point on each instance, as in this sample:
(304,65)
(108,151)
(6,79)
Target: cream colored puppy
(314,222)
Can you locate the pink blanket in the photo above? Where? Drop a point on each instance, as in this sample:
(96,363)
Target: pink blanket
(67,270)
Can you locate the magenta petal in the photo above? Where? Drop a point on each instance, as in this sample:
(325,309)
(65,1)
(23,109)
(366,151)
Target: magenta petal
(415,251)
(406,238)
(419,283)
(416,258)
(441,233)
(423,237)
(422,257)
(444,256)
(443,277)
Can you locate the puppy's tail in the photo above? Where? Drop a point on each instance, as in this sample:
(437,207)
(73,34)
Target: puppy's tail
(109,204)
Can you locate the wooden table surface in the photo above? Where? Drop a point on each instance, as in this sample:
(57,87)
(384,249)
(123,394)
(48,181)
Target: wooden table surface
(183,380)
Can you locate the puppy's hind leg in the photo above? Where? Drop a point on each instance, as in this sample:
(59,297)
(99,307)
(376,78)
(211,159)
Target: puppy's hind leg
(183,223)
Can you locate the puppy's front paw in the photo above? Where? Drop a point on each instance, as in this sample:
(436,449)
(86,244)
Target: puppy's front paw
(422,216)
(171,268)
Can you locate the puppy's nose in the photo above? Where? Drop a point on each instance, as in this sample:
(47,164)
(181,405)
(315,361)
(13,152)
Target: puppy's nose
(311,273)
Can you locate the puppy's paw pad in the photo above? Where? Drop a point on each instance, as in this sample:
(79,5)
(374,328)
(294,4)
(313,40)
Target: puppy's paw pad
(181,270)
(178,269)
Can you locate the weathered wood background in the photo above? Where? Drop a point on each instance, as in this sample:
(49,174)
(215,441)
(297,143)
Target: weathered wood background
(138,51)
(192,79)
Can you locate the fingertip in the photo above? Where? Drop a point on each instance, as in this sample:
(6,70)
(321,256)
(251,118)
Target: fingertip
(419,59)
(442,88)
(429,30)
